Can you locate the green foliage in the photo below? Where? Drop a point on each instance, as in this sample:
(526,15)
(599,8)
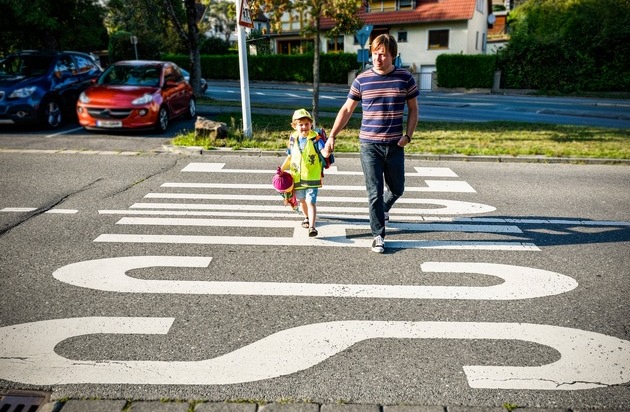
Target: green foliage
(60,25)
(146,20)
(214,45)
(468,71)
(568,46)
(120,47)
(262,42)
(275,67)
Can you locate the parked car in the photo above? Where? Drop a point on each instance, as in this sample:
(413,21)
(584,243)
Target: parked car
(43,87)
(136,94)
(204,83)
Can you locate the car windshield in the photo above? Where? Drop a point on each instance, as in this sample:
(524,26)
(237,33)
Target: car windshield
(26,65)
(126,75)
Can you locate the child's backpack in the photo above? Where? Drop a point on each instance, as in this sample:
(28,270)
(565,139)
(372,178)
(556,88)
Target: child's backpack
(321,134)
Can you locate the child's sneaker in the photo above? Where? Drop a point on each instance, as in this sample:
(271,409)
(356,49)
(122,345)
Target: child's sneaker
(378,244)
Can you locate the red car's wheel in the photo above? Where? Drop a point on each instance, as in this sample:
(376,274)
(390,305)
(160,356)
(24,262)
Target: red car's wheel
(162,121)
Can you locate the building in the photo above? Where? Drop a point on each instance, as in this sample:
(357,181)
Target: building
(424,29)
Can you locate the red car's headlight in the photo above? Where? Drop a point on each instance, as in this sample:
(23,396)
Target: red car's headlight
(147,98)
(83,98)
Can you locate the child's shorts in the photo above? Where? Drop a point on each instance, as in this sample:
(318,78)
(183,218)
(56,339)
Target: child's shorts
(310,194)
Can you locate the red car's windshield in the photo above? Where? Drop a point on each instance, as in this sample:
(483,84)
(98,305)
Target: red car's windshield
(123,75)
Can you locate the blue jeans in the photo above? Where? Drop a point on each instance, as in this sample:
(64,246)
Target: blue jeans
(383,164)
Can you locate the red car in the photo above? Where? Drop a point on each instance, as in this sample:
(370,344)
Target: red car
(136,94)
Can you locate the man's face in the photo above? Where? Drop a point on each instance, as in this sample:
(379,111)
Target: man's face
(381,59)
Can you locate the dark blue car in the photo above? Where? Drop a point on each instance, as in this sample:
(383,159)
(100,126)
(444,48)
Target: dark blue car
(43,87)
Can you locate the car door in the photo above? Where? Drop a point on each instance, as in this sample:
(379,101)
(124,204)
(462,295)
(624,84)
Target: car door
(175,93)
(66,80)
(87,70)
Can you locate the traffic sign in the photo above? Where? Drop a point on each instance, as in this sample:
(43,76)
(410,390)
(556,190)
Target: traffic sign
(245,18)
(364,33)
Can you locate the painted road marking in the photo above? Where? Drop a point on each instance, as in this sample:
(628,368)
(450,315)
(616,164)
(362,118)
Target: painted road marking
(301,238)
(448,207)
(327,229)
(450,186)
(286,213)
(197,167)
(587,359)
(323,199)
(32,209)
(110,274)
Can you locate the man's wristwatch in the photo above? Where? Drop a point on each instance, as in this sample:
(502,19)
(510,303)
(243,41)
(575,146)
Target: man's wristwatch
(408,138)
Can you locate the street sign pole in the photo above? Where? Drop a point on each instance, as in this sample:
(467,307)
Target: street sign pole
(244,20)
(362,35)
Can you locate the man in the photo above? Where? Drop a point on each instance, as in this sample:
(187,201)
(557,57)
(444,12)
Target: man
(383,91)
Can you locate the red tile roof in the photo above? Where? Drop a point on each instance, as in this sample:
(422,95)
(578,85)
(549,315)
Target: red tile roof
(425,11)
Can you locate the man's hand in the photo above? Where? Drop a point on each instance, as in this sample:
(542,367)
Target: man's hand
(404,141)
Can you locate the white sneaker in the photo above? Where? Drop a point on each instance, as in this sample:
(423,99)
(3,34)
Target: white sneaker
(378,244)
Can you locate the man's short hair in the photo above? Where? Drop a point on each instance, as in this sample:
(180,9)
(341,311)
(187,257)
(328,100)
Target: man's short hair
(388,41)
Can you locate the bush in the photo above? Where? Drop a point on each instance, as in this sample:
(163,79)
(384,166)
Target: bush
(214,45)
(567,46)
(468,71)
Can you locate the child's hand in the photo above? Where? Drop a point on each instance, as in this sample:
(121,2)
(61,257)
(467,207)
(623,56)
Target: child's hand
(329,147)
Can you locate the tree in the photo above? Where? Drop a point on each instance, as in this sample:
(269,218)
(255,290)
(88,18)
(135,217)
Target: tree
(223,14)
(188,32)
(147,21)
(42,24)
(343,12)
(569,45)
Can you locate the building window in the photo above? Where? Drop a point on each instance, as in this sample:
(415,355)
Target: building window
(335,44)
(390,5)
(402,36)
(438,39)
(479,5)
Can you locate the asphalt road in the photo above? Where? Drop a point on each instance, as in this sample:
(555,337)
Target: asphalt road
(448,106)
(502,282)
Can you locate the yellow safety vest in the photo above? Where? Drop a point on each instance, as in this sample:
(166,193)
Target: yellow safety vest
(306,164)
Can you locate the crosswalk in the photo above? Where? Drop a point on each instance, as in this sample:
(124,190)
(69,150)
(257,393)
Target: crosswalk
(213,205)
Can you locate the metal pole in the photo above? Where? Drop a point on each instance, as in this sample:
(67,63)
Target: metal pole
(242,65)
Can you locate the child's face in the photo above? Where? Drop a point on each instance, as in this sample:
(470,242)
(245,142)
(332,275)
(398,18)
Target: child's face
(302,126)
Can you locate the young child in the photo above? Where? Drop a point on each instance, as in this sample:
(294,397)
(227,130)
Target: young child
(305,162)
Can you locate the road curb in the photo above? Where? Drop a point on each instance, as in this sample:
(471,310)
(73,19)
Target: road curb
(201,151)
(202,406)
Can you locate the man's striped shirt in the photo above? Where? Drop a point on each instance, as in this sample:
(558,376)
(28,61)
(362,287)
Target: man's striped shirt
(383,100)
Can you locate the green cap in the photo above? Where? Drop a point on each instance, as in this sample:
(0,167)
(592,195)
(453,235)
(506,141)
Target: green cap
(301,114)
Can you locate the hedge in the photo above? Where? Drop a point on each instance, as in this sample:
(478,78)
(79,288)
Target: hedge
(333,68)
(467,71)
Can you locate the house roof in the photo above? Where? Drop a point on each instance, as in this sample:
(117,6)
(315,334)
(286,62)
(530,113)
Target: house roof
(426,11)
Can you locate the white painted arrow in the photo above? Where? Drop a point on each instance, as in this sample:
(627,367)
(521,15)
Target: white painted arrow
(27,354)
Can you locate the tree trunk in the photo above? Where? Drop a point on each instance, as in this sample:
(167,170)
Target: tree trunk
(316,55)
(193,46)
